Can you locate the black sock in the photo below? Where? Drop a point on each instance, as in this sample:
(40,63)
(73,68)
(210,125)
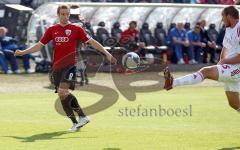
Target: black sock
(67,108)
(75,106)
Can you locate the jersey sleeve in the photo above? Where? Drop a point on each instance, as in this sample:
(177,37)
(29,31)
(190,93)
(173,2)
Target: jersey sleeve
(47,37)
(224,43)
(82,35)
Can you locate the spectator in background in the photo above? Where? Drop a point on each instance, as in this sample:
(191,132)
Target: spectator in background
(213,35)
(179,41)
(9,46)
(3,63)
(130,36)
(210,45)
(130,39)
(196,45)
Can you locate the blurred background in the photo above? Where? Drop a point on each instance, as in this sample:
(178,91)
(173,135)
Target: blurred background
(157,23)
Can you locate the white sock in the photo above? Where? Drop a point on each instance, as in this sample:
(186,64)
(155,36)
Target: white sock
(188,79)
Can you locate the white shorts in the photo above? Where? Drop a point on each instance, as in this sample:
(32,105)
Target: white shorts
(230,76)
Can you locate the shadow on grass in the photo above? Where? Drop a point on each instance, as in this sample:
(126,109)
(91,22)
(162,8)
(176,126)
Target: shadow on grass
(230,148)
(51,87)
(44,136)
(112,148)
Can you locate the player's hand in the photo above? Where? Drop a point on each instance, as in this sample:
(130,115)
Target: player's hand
(111,59)
(203,44)
(19,53)
(212,44)
(186,43)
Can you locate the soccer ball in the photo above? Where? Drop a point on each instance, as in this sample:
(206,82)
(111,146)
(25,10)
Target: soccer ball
(131,60)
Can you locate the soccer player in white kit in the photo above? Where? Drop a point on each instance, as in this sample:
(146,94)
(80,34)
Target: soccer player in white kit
(228,68)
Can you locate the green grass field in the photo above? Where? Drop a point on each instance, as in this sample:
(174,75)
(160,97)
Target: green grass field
(28,120)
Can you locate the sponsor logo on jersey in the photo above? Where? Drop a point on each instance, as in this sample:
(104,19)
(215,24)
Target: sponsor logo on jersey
(224,66)
(68,32)
(61,39)
(234,72)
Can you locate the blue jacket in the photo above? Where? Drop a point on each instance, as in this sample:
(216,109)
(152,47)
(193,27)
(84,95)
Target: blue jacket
(8,43)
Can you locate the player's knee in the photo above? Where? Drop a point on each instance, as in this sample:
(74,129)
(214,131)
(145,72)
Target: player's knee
(234,105)
(206,72)
(63,93)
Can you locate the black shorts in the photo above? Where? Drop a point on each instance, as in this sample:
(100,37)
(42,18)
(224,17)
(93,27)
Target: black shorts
(65,75)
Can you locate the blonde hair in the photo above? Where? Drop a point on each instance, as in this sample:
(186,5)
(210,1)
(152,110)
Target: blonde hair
(62,7)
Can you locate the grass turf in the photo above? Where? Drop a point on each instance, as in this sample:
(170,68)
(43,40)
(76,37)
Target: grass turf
(28,120)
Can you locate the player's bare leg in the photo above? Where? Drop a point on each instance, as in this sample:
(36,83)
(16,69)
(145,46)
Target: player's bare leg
(233,100)
(210,72)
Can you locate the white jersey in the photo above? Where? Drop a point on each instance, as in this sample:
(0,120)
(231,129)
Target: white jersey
(231,41)
(229,74)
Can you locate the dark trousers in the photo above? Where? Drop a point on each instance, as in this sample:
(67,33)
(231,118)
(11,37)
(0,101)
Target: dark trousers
(3,62)
(210,51)
(194,52)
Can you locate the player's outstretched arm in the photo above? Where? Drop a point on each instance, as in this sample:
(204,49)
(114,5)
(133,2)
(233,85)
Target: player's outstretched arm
(35,48)
(100,48)
(233,60)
